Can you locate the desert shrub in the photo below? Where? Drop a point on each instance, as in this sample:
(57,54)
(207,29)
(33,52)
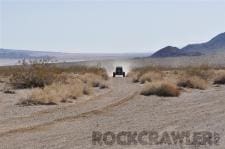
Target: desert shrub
(41,73)
(34,75)
(96,83)
(52,84)
(135,79)
(204,72)
(146,69)
(193,82)
(134,75)
(150,76)
(220,78)
(92,79)
(144,74)
(160,89)
(66,87)
(82,69)
(103,85)
(67,78)
(57,92)
(87,90)
(7,70)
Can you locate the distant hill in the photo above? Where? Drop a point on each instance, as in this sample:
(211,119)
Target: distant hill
(20,54)
(215,45)
(11,54)
(170,51)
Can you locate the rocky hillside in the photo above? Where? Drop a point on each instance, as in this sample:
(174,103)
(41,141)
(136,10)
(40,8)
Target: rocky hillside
(215,45)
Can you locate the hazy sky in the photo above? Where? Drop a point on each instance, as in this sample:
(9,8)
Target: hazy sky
(108,26)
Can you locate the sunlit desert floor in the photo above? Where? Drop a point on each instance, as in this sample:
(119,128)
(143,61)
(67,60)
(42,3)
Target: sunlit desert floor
(119,108)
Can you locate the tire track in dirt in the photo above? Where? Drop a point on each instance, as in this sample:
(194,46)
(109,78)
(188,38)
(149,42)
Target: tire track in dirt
(70,118)
(72,105)
(49,111)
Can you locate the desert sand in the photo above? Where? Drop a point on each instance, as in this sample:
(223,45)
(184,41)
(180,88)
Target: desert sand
(117,108)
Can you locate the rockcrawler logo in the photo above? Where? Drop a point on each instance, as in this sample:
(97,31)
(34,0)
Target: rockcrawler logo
(155,138)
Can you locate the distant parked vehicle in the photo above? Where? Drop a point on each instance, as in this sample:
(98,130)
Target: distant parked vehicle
(119,71)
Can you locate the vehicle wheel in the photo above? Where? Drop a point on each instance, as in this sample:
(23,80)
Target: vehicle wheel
(123,74)
(114,75)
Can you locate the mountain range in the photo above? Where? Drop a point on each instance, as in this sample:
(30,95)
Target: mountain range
(213,46)
(13,54)
(20,54)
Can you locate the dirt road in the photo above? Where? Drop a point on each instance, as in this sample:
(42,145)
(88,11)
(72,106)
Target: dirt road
(119,108)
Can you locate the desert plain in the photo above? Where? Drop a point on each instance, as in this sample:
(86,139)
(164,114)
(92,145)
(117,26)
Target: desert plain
(162,95)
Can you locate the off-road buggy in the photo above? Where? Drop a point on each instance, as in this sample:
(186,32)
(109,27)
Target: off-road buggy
(119,71)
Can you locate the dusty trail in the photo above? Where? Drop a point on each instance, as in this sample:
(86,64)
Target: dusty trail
(93,106)
(119,109)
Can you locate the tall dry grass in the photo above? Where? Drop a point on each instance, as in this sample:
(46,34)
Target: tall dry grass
(57,92)
(220,78)
(134,75)
(94,80)
(145,74)
(204,72)
(196,77)
(67,86)
(34,75)
(160,89)
(51,84)
(150,76)
(194,82)
(191,77)
(41,73)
